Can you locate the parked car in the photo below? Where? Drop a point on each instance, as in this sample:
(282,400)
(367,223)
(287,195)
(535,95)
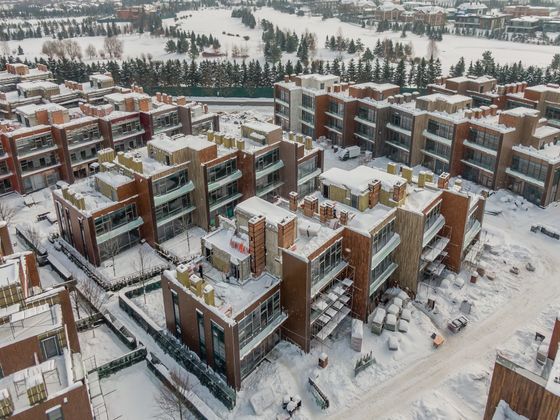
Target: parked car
(458,324)
(349,153)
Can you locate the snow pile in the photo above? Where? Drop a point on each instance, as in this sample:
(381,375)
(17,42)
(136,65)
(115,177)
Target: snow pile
(504,412)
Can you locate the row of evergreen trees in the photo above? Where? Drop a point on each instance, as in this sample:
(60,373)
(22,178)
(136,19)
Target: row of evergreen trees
(249,74)
(60,29)
(247,17)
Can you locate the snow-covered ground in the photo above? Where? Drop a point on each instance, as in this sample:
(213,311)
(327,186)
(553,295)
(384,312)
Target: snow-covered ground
(230,32)
(133,260)
(152,305)
(100,345)
(131,393)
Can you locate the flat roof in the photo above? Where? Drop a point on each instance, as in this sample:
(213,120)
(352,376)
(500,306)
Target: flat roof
(256,206)
(30,109)
(30,322)
(359,178)
(549,153)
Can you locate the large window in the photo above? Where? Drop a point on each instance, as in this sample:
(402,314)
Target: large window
(366,113)
(432,216)
(176,312)
(441,130)
(257,320)
(484,138)
(30,165)
(438,149)
(365,130)
(383,236)
(166,120)
(113,220)
(481,159)
(326,262)
(222,193)
(54,413)
(398,138)
(335,123)
(219,348)
(267,181)
(552,113)
(307,167)
(170,183)
(5,186)
(307,101)
(380,268)
(201,334)
(403,121)
(172,207)
(307,116)
(50,347)
(215,173)
(82,135)
(114,246)
(29,145)
(336,108)
(126,128)
(267,159)
(84,154)
(529,167)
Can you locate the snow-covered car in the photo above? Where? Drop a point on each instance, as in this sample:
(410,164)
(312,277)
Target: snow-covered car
(457,324)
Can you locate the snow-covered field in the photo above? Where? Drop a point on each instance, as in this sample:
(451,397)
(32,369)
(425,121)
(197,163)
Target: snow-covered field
(230,32)
(100,345)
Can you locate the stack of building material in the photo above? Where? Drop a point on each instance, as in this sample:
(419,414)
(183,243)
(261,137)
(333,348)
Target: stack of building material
(391,322)
(377,321)
(357,335)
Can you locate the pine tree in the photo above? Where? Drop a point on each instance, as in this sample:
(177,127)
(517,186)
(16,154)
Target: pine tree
(399,77)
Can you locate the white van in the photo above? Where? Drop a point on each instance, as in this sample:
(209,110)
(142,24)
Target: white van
(349,153)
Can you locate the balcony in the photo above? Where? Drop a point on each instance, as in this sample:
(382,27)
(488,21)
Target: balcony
(335,129)
(79,144)
(432,231)
(26,153)
(398,129)
(226,200)
(269,169)
(385,250)
(127,227)
(40,169)
(435,155)
(382,278)
(164,198)
(309,176)
(335,115)
(437,138)
(330,308)
(165,129)
(525,178)
(471,233)
(330,276)
(364,121)
(174,216)
(125,136)
(399,146)
(234,176)
(478,165)
(269,188)
(282,101)
(262,335)
(480,148)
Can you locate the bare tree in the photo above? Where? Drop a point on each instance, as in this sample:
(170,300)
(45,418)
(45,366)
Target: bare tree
(113,46)
(112,249)
(5,47)
(432,49)
(73,49)
(7,212)
(48,48)
(143,261)
(171,402)
(34,235)
(91,51)
(95,296)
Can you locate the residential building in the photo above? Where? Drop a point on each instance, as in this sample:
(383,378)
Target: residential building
(518,10)
(524,25)
(545,98)
(42,370)
(389,11)
(482,89)
(524,390)
(18,72)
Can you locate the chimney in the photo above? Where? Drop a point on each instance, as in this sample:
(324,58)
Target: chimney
(286,233)
(330,210)
(443,181)
(293,200)
(57,117)
(181,100)
(523,86)
(374,190)
(422,179)
(493,109)
(391,99)
(458,184)
(158,96)
(291,135)
(129,104)
(392,168)
(415,94)
(240,144)
(256,227)
(323,212)
(485,110)
(310,205)
(343,219)
(468,114)
(6,247)
(286,78)
(308,143)
(299,138)
(399,190)
(406,173)
(208,293)
(183,275)
(42,116)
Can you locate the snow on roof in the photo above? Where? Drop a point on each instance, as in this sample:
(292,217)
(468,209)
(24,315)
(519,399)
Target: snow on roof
(223,238)
(505,412)
(418,199)
(549,153)
(113,178)
(430,9)
(358,179)
(9,273)
(30,109)
(256,206)
(76,121)
(545,131)
(119,96)
(261,126)
(544,88)
(150,166)
(552,385)
(24,130)
(522,111)
(31,322)
(378,87)
(389,6)
(34,84)
(472,6)
(450,99)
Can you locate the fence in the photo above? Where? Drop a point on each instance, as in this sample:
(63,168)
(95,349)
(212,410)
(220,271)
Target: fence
(29,237)
(107,284)
(319,395)
(224,92)
(170,345)
(153,367)
(122,362)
